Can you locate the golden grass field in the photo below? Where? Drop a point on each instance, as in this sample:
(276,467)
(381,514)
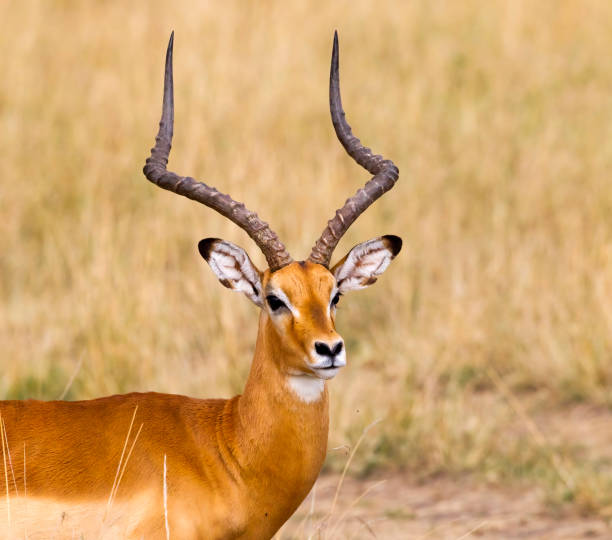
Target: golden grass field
(480,342)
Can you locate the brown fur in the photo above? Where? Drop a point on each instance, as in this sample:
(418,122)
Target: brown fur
(236,468)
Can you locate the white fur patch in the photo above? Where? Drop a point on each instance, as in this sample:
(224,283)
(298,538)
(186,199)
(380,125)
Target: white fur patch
(364,263)
(232,265)
(37,518)
(323,361)
(305,387)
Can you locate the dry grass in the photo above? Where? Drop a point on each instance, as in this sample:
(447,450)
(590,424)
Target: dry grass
(500,118)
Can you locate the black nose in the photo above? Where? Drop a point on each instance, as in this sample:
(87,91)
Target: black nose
(325,350)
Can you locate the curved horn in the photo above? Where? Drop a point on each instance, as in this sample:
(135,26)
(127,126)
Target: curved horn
(155,170)
(384,171)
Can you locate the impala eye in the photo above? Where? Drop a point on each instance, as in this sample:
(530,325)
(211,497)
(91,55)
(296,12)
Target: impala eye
(336,299)
(275,302)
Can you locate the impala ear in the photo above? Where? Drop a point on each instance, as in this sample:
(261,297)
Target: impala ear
(365,262)
(233,267)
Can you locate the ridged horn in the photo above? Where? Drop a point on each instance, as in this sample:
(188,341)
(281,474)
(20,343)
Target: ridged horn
(155,170)
(384,171)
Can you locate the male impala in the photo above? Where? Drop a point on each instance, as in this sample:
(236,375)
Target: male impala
(157,465)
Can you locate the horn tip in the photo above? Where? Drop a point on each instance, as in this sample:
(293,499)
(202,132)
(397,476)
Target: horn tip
(334,58)
(170,48)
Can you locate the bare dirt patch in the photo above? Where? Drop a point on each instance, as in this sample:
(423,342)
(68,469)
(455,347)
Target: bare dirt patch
(585,425)
(396,506)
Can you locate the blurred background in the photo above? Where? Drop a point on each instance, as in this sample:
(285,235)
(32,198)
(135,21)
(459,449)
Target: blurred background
(485,350)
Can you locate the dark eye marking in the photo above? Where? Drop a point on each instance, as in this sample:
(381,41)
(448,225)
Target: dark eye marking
(336,299)
(275,302)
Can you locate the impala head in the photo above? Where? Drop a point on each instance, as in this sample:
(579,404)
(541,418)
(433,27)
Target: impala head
(298,299)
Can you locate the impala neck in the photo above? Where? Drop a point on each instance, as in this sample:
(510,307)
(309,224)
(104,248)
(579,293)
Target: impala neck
(283,434)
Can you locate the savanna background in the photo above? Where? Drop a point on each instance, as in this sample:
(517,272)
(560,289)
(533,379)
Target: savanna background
(484,353)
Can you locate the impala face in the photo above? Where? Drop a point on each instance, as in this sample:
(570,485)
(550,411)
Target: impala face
(299,300)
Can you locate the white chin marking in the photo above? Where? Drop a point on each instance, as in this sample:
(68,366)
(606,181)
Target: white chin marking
(306,388)
(327,374)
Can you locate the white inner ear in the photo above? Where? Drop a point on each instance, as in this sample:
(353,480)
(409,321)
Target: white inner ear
(364,263)
(235,270)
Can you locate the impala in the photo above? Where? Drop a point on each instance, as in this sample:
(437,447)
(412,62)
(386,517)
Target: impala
(155,465)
